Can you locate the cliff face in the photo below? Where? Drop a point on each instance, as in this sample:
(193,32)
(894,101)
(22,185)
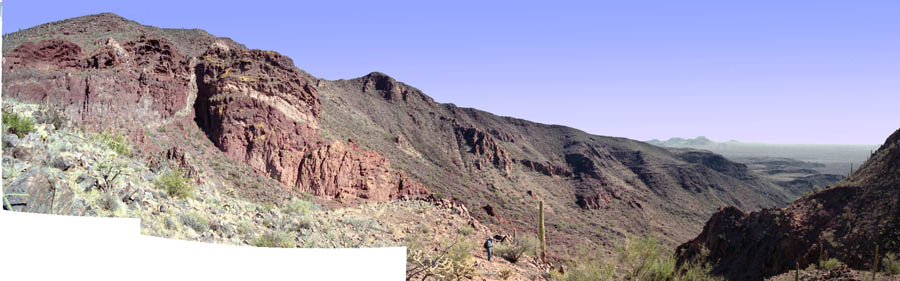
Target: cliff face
(846,221)
(116,84)
(255,106)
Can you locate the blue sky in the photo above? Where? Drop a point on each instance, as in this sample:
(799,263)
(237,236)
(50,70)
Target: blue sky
(765,71)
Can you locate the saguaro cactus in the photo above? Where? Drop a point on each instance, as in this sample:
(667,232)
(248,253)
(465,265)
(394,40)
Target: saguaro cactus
(542,234)
(875,264)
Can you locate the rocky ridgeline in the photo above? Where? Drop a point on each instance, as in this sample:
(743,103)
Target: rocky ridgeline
(255,106)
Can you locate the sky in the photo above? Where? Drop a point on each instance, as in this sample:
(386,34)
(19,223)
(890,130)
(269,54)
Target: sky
(760,71)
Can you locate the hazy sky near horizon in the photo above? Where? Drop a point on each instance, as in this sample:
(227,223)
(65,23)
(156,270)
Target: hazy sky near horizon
(761,71)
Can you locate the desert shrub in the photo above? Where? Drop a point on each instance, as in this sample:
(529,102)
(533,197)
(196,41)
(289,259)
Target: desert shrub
(829,264)
(49,114)
(274,240)
(110,170)
(110,202)
(466,230)
(586,271)
(663,268)
(423,229)
(452,262)
(460,256)
(505,274)
(195,221)
(300,206)
(176,184)
(116,142)
(361,223)
(890,264)
(696,271)
(526,245)
(643,259)
(15,124)
(638,254)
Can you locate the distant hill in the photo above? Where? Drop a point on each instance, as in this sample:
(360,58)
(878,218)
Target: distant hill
(682,142)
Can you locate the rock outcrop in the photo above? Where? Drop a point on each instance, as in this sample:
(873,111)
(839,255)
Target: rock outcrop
(389,89)
(546,168)
(259,109)
(256,108)
(143,81)
(486,149)
(341,171)
(847,221)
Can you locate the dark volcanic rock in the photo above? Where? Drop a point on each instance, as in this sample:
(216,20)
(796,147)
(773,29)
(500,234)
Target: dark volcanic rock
(390,89)
(546,168)
(486,149)
(846,221)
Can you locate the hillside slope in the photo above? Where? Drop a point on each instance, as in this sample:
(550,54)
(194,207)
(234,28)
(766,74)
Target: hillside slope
(846,221)
(252,125)
(598,188)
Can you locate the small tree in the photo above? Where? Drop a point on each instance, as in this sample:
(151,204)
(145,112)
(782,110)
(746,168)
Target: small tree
(638,254)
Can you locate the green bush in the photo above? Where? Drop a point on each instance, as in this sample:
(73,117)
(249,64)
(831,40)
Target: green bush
(696,271)
(460,256)
(275,240)
(638,255)
(451,262)
(829,264)
(466,230)
(517,248)
(17,125)
(175,184)
(586,271)
(890,264)
(116,142)
(300,206)
(643,259)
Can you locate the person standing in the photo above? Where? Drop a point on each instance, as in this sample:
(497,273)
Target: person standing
(488,246)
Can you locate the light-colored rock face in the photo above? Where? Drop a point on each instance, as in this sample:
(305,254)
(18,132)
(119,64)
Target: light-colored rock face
(259,109)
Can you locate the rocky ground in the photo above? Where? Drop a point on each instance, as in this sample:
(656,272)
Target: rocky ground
(839,274)
(66,171)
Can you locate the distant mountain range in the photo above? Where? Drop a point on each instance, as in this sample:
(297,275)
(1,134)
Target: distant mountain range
(682,142)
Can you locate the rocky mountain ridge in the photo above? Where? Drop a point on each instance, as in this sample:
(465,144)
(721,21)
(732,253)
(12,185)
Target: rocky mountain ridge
(369,139)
